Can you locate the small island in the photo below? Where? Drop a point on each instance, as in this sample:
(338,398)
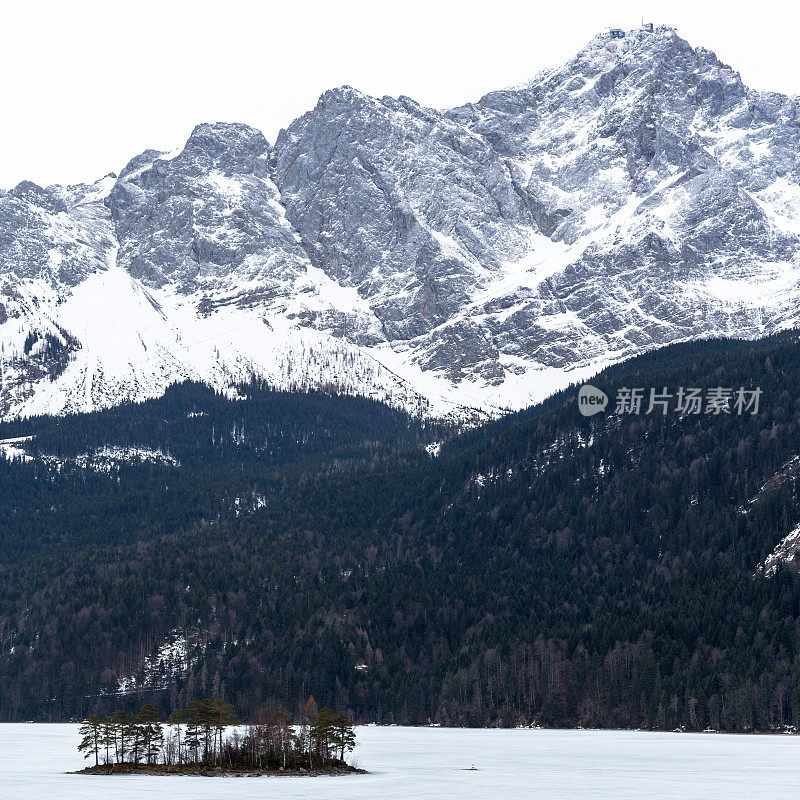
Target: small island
(207,739)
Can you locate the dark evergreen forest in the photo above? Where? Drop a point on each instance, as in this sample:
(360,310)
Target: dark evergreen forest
(544,568)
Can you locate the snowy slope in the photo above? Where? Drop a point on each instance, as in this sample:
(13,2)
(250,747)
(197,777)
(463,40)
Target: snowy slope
(135,341)
(115,336)
(460,262)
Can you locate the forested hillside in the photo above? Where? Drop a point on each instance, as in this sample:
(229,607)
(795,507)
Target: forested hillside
(544,568)
(190,457)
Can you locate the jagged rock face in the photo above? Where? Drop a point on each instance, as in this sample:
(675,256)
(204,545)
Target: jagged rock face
(395,200)
(204,215)
(53,234)
(479,257)
(674,187)
(197,274)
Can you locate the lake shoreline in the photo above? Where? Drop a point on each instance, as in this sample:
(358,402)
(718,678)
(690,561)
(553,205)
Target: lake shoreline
(556,729)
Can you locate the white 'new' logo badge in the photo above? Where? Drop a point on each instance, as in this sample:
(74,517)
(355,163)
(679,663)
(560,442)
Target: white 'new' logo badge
(591,400)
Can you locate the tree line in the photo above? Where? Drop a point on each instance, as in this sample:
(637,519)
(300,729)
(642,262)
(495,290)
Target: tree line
(197,736)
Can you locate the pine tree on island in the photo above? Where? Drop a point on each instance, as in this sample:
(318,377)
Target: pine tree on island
(91,732)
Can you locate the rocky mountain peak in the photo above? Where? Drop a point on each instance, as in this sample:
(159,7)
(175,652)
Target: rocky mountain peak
(402,204)
(343,95)
(140,163)
(196,215)
(659,68)
(227,147)
(28,192)
(635,196)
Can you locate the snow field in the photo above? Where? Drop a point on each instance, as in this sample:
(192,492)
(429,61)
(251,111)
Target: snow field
(406,763)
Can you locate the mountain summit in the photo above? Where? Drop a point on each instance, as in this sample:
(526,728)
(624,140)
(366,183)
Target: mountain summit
(443,261)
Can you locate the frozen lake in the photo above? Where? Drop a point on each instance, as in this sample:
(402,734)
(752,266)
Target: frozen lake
(412,763)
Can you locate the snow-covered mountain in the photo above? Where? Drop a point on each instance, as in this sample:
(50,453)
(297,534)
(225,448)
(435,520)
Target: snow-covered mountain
(476,258)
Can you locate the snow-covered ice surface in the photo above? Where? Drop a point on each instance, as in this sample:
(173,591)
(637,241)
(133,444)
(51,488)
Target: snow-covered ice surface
(406,763)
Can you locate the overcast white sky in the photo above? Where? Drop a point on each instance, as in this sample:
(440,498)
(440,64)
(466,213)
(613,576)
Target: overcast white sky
(87,85)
